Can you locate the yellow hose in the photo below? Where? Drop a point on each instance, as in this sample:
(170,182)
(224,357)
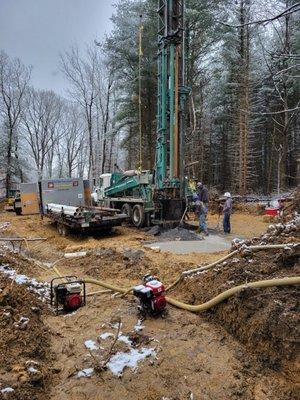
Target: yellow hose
(193,271)
(105,291)
(294,280)
(174,283)
(57,272)
(106,285)
(253,248)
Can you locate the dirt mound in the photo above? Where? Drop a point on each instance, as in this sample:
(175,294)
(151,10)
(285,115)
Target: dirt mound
(107,263)
(265,320)
(250,208)
(24,344)
(18,262)
(292,205)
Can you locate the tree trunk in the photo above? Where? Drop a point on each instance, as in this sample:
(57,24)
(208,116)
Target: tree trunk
(9,161)
(284,136)
(243,112)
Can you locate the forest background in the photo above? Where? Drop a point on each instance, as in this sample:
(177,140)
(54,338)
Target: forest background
(243,125)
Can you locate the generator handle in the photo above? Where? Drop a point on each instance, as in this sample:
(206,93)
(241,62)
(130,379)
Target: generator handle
(57,278)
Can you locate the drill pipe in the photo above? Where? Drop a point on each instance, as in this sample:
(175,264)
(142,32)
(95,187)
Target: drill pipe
(61,208)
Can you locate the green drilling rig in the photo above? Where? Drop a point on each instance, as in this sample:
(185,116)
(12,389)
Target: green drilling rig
(169,189)
(159,196)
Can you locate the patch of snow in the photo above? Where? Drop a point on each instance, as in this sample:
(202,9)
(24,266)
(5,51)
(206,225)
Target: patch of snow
(106,335)
(230,282)
(278,302)
(121,360)
(5,225)
(39,288)
(24,319)
(139,327)
(21,279)
(7,390)
(91,345)
(125,339)
(33,370)
(85,373)
(116,326)
(70,314)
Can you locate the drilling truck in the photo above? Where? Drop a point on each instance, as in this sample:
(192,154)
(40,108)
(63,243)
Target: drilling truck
(159,196)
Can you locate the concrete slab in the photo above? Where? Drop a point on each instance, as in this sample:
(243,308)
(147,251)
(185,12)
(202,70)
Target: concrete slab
(210,244)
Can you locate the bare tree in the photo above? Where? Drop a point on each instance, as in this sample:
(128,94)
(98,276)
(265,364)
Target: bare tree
(71,145)
(40,120)
(81,73)
(105,79)
(14,78)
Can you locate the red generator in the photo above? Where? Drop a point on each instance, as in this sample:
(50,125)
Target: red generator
(69,295)
(151,295)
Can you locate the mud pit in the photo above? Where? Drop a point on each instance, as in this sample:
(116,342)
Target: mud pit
(199,356)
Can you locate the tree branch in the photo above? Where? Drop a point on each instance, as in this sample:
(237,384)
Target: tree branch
(284,13)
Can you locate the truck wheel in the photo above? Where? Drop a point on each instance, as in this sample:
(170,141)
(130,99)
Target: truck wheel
(126,209)
(18,211)
(138,216)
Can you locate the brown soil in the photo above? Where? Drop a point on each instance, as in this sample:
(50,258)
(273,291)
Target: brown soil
(243,224)
(23,346)
(266,321)
(242,349)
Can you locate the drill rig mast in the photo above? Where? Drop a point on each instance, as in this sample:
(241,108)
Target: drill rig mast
(162,200)
(172,93)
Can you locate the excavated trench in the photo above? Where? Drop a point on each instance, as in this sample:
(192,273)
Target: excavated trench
(195,357)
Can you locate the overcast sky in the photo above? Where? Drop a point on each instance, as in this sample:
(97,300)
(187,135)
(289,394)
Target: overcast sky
(36,31)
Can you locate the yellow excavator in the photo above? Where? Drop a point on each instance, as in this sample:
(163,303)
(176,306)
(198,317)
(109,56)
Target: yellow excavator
(10,199)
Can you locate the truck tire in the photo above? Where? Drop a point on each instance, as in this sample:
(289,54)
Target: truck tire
(18,211)
(126,209)
(138,216)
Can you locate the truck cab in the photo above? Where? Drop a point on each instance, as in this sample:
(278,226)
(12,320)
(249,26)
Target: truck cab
(129,191)
(104,182)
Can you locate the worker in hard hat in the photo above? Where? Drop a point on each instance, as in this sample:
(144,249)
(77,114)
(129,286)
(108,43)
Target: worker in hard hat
(203,207)
(227,210)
